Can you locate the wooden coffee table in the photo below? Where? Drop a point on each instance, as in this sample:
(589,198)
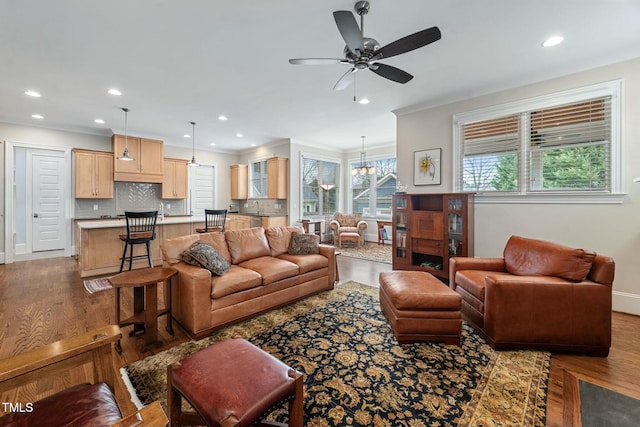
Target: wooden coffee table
(145,301)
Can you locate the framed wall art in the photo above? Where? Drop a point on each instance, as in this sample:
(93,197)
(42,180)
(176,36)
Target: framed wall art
(426,167)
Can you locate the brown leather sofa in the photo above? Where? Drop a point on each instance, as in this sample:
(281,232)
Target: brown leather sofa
(540,295)
(263,275)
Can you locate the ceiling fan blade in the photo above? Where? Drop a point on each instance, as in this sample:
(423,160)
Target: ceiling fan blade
(317,61)
(345,80)
(391,73)
(349,29)
(409,43)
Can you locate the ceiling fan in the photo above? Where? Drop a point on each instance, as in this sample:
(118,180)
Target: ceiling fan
(364,52)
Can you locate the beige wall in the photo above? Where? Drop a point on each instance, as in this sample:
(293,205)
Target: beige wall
(611,229)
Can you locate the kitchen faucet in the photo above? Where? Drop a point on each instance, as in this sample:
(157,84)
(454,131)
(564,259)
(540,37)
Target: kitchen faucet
(258,207)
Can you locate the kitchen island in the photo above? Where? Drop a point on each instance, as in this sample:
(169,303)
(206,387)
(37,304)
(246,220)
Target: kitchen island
(98,246)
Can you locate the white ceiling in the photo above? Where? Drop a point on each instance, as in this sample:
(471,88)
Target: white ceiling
(192,60)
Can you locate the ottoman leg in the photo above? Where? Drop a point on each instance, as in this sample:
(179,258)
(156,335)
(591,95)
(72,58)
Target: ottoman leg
(296,405)
(174,399)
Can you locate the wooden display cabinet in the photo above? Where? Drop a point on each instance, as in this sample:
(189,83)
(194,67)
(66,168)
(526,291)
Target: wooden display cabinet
(93,174)
(428,229)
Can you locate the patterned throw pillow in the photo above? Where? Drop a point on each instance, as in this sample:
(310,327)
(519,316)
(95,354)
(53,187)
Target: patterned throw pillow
(203,255)
(304,244)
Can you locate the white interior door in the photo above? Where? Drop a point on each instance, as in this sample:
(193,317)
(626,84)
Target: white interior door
(48,204)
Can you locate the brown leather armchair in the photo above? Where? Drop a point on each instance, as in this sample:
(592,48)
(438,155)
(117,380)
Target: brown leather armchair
(540,295)
(80,405)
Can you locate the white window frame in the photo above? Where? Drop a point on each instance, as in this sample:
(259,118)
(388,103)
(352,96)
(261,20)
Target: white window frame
(356,162)
(251,194)
(318,157)
(613,88)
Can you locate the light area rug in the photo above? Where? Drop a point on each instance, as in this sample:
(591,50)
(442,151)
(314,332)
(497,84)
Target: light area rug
(97,285)
(369,251)
(357,374)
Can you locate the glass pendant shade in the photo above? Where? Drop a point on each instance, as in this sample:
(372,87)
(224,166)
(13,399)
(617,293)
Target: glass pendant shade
(125,153)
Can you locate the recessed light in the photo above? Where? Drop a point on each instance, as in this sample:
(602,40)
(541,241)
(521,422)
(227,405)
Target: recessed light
(37,116)
(115,92)
(553,41)
(239,135)
(99,121)
(222,117)
(32,93)
(186,135)
(212,144)
(253,145)
(364,101)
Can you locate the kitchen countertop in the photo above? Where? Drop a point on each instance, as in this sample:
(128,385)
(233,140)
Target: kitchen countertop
(174,219)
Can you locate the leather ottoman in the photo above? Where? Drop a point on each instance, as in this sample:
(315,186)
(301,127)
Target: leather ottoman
(420,307)
(232,383)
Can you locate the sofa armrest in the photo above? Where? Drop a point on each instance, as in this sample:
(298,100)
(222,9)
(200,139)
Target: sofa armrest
(191,296)
(335,225)
(539,311)
(329,252)
(468,263)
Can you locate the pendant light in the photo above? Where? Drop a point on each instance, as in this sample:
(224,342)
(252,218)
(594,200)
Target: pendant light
(125,153)
(363,168)
(193,162)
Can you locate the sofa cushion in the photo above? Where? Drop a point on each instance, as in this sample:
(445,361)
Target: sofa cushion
(307,263)
(247,244)
(235,280)
(348,230)
(271,269)
(279,238)
(531,257)
(172,248)
(201,254)
(304,244)
(218,242)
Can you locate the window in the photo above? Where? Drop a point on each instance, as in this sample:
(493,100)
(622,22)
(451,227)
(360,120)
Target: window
(258,179)
(320,187)
(372,194)
(563,144)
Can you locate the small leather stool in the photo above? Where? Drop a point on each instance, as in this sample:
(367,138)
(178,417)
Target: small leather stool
(232,383)
(420,307)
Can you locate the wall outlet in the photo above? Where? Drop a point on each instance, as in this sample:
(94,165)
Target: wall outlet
(246,205)
(168,205)
(95,207)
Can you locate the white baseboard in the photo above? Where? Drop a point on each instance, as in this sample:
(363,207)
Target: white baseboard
(626,303)
(1,257)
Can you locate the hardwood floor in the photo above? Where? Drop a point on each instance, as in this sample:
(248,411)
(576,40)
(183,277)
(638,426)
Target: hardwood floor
(42,301)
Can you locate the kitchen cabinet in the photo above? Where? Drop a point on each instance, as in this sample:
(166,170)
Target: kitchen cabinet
(239,182)
(174,182)
(238,222)
(93,172)
(277,173)
(429,229)
(274,221)
(148,163)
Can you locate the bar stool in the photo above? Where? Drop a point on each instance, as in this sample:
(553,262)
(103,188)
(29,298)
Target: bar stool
(214,220)
(141,229)
(233,383)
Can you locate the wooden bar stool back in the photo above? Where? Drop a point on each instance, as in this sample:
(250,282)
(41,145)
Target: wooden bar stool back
(141,229)
(214,220)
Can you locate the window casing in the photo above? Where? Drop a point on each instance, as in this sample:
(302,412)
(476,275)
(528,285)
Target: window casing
(371,195)
(562,147)
(316,200)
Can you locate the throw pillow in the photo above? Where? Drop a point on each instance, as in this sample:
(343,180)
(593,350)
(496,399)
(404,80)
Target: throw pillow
(304,244)
(203,255)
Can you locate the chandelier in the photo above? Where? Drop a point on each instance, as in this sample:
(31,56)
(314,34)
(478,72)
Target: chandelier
(364,168)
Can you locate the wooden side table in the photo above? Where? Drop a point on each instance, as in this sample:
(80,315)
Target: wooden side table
(145,301)
(316,227)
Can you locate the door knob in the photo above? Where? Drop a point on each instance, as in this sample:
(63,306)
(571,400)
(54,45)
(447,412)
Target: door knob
(35,215)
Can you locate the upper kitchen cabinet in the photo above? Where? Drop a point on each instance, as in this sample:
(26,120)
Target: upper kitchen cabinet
(174,184)
(93,174)
(277,182)
(148,163)
(239,182)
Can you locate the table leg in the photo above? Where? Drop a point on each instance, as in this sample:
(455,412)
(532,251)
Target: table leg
(167,303)
(151,315)
(138,307)
(117,318)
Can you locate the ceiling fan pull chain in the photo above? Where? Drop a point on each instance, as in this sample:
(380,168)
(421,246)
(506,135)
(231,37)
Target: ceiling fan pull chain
(354,87)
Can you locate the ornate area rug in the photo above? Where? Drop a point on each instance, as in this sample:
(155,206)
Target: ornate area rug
(357,374)
(369,251)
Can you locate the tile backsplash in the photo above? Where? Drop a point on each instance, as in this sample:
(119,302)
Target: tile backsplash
(129,196)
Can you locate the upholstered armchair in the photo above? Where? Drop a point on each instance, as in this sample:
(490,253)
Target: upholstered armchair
(348,223)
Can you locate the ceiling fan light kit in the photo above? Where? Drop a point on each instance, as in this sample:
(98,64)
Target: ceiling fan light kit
(363,52)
